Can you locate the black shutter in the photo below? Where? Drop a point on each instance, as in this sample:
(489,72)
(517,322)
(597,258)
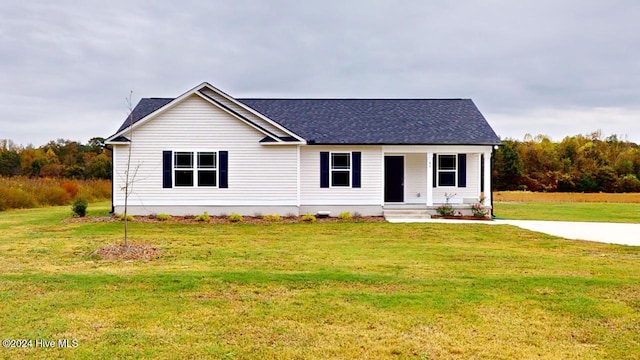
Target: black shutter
(435,170)
(166,169)
(356,158)
(324,169)
(462,170)
(223,167)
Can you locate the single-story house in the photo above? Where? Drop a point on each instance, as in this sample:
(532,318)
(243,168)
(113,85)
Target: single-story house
(206,151)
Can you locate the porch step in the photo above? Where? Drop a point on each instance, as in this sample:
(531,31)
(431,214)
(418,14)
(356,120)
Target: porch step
(406,214)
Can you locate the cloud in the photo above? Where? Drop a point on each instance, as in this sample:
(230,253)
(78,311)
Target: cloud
(559,123)
(67,60)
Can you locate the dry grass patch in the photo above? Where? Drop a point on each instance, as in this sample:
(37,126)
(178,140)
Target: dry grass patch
(529,196)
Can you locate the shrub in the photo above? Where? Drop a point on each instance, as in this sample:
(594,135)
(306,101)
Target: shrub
(344,215)
(478,210)
(202,217)
(51,194)
(628,183)
(129,217)
(235,217)
(79,207)
(71,187)
(271,217)
(17,198)
(95,190)
(163,217)
(308,218)
(445,210)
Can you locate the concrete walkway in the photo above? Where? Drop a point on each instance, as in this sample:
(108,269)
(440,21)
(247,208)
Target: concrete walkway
(611,233)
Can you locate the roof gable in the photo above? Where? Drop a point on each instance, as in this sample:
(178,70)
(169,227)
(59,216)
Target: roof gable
(147,108)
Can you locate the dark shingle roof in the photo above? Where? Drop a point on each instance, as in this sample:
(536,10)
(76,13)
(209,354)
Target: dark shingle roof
(366,121)
(145,107)
(379,121)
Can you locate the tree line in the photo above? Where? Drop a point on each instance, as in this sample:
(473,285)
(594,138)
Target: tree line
(57,159)
(581,163)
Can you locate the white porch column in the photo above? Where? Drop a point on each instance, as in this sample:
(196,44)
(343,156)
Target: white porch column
(487,178)
(430,178)
(480,174)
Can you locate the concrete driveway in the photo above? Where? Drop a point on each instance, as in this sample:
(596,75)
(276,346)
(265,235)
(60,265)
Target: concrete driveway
(611,233)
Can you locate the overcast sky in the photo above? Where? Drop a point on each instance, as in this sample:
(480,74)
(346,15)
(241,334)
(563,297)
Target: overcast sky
(557,67)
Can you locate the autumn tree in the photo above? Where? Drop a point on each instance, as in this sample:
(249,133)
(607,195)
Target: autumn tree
(585,163)
(508,166)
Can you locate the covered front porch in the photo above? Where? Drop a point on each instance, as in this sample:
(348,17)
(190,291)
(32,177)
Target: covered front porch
(423,178)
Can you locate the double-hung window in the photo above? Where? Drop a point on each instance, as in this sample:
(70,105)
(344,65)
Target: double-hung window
(340,169)
(447,170)
(195,168)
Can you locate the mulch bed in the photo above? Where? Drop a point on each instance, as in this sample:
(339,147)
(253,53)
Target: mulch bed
(462,217)
(127,252)
(221,220)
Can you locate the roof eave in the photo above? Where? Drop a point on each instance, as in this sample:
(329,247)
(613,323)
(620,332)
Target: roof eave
(399,144)
(117,140)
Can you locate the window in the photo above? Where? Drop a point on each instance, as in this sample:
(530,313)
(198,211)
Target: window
(207,169)
(183,162)
(446,170)
(340,169)
(203,169)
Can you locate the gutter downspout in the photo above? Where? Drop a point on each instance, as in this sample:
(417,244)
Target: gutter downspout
(112,172)
(112,179)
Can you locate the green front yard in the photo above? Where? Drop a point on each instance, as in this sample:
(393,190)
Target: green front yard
(322,290)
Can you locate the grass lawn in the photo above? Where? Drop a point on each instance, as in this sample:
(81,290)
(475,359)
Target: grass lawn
(519,205)
(322,290)
(605,212)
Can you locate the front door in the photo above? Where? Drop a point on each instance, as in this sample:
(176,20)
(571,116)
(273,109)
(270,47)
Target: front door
(394,179)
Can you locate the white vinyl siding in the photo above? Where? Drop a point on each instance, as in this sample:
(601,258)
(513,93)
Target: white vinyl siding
(415,181)
(195,125)
(370,174)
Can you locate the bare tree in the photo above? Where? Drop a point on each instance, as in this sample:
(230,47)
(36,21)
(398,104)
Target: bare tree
(128,177)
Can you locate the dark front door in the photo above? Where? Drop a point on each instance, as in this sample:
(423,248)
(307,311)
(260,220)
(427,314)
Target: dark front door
(393,179)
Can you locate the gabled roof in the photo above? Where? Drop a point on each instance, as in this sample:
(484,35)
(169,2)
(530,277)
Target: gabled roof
(363,121)
(380,121)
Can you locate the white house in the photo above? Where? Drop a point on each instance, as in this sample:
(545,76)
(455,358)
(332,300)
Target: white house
(207,151)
